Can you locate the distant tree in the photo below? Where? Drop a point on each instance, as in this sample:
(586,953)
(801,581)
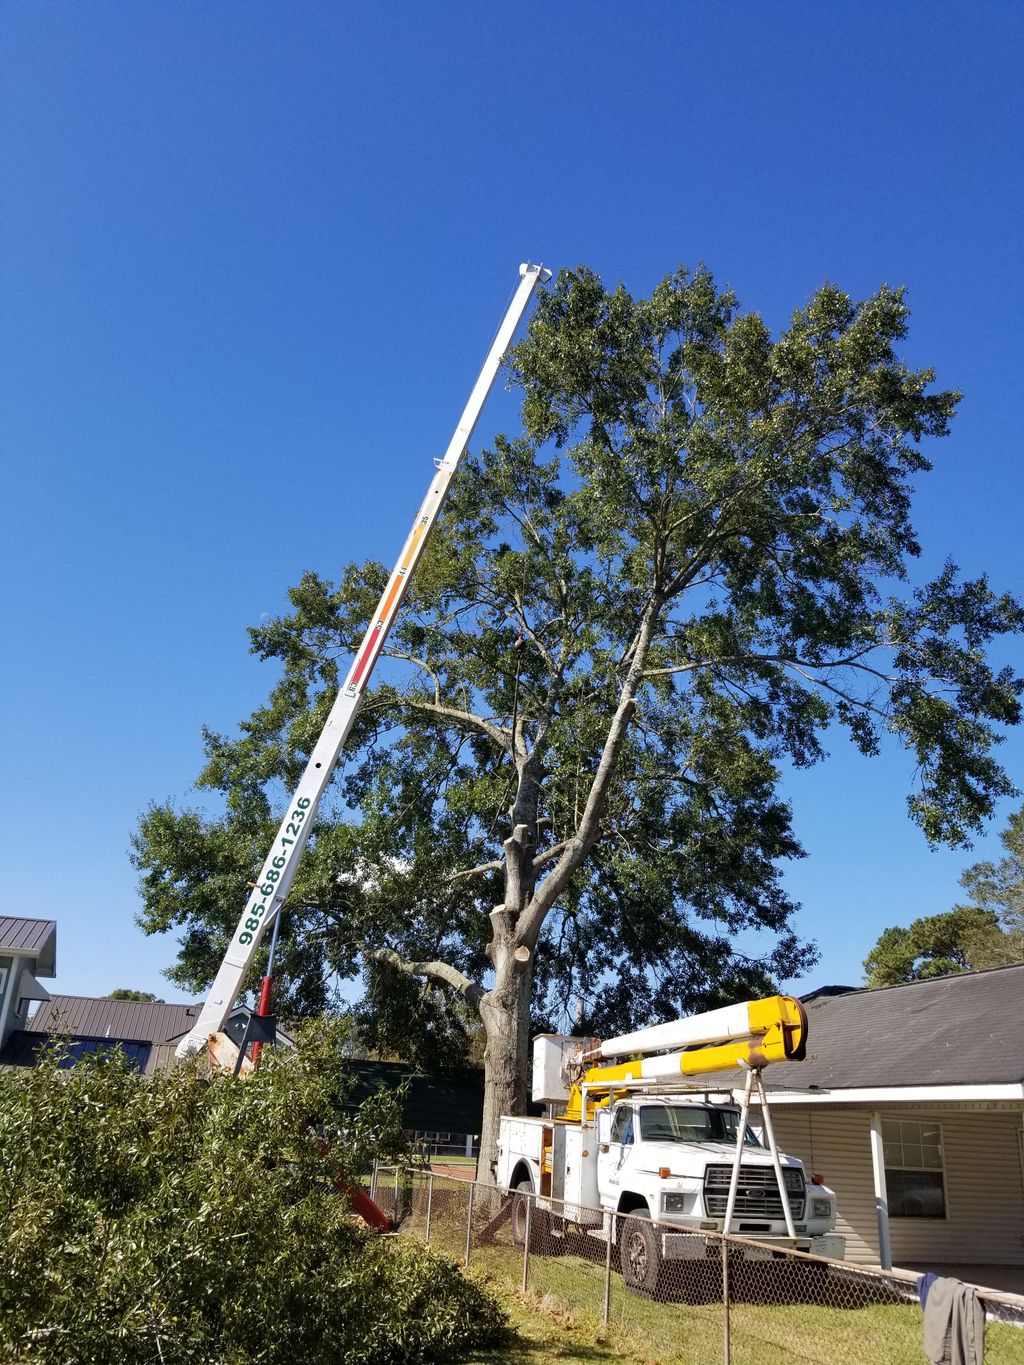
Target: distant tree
(936,945)
(122,993)
(987,932)
(997,888)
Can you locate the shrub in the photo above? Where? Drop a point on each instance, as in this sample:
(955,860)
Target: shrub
(175,1218)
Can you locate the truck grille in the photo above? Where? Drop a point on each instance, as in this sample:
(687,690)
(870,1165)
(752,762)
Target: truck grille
(757,1195)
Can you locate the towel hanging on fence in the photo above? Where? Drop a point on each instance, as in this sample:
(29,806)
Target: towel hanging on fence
(954,1322)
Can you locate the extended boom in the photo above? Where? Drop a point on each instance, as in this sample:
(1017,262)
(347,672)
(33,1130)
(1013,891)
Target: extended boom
(281,863)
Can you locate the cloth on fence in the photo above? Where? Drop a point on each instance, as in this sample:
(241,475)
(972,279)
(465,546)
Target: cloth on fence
(954,1322)
(924,1283)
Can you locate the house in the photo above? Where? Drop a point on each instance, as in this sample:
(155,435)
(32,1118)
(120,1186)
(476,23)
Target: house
(28,950)
(147,1031)
(910,1104)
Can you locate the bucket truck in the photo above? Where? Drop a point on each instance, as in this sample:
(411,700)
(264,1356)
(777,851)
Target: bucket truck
(640,1138)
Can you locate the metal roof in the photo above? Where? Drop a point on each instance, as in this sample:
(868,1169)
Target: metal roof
(966,1029)
(35,938)
(136,1021)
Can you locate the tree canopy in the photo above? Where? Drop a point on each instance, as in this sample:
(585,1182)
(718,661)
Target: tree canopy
(997,888)
(936,945)
(688,568)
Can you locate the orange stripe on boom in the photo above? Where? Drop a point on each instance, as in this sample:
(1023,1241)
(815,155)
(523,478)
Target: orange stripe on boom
(372,646)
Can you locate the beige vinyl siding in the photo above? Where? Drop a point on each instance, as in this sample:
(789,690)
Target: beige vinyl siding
(837,1145)
(984,1199)
(982,1167)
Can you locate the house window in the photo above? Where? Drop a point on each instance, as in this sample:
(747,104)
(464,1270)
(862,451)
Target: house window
(914,1179)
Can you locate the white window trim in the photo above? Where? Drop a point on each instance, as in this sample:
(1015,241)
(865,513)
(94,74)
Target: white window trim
(921,1122)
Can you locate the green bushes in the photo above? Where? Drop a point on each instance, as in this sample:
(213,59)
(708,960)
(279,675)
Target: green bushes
(173,1219)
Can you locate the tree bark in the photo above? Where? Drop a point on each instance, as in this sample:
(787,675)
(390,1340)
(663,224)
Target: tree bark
(505,1011)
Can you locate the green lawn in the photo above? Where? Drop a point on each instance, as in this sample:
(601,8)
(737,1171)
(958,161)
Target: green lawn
(842,1319)
(559,1319)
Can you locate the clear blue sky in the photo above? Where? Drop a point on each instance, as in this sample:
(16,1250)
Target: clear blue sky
(251,256)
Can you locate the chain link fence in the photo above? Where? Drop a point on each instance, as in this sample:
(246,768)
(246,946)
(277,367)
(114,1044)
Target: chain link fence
(679,1297)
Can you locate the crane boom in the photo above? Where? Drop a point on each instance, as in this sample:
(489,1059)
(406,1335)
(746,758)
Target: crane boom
(279,868)
(749,1035)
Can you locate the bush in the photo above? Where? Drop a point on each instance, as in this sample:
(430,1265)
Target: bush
(173,1218)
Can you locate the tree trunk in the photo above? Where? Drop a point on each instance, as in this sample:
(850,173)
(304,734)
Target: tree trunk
(505,1011)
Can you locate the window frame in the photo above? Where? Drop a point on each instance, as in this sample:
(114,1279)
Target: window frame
(631,1120)
(920,1123)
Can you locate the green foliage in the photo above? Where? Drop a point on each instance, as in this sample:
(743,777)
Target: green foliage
(175,1219)
(988,932)
(936,945)
(122,993)
(689,569)
(997,888)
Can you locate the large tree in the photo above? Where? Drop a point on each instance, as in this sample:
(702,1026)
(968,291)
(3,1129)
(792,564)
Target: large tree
(686,570)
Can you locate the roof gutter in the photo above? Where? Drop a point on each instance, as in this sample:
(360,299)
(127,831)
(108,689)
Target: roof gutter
(903,1094)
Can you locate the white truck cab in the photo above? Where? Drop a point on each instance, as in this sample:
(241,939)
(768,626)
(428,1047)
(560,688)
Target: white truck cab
(626,1146)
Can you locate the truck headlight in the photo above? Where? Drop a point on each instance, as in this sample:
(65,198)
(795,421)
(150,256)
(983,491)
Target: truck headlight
(821,1208)
(674,1203)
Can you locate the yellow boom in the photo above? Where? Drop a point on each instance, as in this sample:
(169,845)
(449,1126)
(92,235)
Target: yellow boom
(748,1035)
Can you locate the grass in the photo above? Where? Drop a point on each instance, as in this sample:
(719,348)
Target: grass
(546,1330)
(559,1320)
(845,1319)
(544,1333)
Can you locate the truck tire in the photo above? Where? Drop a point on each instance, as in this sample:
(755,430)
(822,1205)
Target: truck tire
(538,1220)
(640,1254)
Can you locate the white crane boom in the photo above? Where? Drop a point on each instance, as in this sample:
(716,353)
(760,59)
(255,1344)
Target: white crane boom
(282,861)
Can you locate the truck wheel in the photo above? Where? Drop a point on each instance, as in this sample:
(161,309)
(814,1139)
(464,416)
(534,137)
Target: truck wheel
(640,1254)
(538,1220)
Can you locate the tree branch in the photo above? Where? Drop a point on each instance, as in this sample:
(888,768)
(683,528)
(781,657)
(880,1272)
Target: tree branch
(435,971)
(497,733)
(588,827)
(494,866)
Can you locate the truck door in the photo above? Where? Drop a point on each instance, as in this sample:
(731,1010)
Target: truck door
(613,1154)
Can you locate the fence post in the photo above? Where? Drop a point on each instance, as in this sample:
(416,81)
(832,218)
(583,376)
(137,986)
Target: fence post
(606,1312)
(526,1242)
(726,1344)
(398,1172)
(373,1181)
(430,1201)
(469,1220)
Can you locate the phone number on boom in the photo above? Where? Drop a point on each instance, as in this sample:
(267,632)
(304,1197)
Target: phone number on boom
(272,871)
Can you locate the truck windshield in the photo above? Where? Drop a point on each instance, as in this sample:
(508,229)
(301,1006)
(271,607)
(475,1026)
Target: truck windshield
(678,1123)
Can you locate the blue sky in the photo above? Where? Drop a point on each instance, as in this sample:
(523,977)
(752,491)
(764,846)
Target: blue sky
(251,257)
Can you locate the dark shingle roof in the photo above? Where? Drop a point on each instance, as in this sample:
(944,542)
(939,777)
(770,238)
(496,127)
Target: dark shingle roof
(966,1029)
(137,1021)
(34,937)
